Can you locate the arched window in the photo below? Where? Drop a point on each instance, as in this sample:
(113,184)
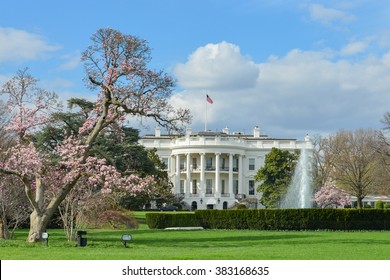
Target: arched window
(194,206)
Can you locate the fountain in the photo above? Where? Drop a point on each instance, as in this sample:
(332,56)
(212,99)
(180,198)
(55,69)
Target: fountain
(299,193)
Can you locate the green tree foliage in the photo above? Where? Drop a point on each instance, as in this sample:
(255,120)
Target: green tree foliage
(123,151)
(119,146)
(275,176)
(161,192)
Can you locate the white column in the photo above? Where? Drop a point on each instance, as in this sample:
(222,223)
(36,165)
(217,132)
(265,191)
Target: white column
(217,175)
(202,181)
(240,172)
(177,177)
(231,175)
(171,166)
(188,177)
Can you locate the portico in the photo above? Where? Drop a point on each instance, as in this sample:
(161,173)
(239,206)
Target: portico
(207,174)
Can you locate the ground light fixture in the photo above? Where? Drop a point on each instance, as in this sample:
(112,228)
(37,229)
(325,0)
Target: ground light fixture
(45,238)
(126,238)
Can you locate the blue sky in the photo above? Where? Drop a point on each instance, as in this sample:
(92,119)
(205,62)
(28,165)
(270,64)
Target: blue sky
(290,67)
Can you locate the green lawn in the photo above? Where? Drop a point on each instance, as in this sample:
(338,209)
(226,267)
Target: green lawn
(206,244)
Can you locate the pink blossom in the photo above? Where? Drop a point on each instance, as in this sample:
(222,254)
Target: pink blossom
(24,159)
(30,106)
(332,196)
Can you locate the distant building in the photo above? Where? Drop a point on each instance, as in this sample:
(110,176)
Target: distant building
(215,170)
(370,200)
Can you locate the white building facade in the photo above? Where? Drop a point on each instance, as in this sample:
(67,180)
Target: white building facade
(216,170)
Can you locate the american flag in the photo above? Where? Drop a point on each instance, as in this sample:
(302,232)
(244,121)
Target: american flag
(209,100)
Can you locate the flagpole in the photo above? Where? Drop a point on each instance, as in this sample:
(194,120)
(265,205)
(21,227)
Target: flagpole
(208,100)
(205,119)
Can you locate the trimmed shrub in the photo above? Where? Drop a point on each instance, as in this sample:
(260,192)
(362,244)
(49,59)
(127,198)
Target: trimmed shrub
(379,204)
(165,220)
(241,206)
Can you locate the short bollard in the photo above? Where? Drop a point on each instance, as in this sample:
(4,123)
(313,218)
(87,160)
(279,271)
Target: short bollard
(125,238)
(81,241)
(45,237)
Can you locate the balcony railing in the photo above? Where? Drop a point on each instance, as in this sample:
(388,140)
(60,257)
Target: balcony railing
(198,169)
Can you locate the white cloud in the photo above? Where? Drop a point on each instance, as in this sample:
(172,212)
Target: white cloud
(72,61)
(355,47)
(298,93)
(20,45)
(327,16)
(217,66)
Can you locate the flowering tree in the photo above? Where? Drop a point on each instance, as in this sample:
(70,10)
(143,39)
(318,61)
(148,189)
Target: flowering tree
(116,65)
(14,207)
(330,196)
(354,161)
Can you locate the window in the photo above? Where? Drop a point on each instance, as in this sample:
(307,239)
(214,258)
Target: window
(251,164)
(223,166)
(194,164)
(251,187)
(181,164)
(235,187)
(235,164)
(223,191)
(164,160)
(181,186)
(209,186)
(209,163)
(194,187)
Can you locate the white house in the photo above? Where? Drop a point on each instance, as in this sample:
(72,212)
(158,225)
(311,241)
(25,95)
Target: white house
(215,170)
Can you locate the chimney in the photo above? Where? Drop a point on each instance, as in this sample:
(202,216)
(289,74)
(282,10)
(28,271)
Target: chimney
(157,131)
(256,132)
(188,132)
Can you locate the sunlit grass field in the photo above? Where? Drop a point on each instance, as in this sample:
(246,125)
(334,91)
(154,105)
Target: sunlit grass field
(203,245)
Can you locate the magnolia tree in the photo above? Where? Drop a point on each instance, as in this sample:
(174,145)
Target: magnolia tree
(14,208)
(116,66)
(330,196)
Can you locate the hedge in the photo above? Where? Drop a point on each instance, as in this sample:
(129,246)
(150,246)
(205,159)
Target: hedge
(296,219)
(276,219)
(165,220)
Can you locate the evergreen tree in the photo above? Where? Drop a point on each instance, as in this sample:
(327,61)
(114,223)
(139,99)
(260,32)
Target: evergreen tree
(275,176)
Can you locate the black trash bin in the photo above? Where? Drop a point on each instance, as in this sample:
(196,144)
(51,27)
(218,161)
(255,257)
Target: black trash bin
(81,241)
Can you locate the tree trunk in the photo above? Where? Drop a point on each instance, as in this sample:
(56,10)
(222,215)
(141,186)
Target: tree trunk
(2,236)
(38,224)
(4,228)
(359,202)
